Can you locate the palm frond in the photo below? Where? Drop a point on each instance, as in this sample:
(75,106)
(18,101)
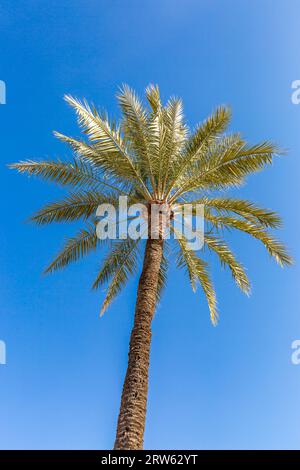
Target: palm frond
(135,128)
(75,248)
(175,134)
(153,98)
(197,271)
(120,263)
(110,151)
(229,168)
(275,248)
(241,207)
(227,258)
(78,205)
(74,173)
(200,140)
(239,162)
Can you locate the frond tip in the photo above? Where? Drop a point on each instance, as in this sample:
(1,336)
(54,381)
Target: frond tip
(119,264)
(75,248)
(228,259)
(274,247)
(197,271)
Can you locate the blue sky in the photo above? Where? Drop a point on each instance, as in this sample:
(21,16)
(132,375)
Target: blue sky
(232,386)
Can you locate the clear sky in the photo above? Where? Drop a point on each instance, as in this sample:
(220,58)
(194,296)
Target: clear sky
(224,387)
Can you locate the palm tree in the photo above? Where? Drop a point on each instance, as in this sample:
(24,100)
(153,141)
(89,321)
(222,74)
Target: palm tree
(152,157)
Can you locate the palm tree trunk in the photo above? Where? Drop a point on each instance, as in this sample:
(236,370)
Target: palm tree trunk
(132,416)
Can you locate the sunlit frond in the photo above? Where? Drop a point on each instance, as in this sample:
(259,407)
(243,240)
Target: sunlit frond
(78,205)
(175,134)
(197,271)
(228,168)
(110,151)
(120,263)
(275,248)
(73,173)
(153,98)
(243,208)
(227,258)
(200,141)
(136,130)
(75,248)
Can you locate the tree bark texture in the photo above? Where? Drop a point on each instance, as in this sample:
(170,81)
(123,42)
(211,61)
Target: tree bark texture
(132,415)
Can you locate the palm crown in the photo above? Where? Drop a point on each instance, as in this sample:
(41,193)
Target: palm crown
(151,156)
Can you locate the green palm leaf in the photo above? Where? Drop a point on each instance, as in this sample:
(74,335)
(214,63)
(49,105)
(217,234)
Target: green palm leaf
(275,248)
(111,153)
(78,205)
(74,173)
(199,141)
(241,207)
(136,130)
(120,263)
(197,271)
(75,248)
(227,258)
